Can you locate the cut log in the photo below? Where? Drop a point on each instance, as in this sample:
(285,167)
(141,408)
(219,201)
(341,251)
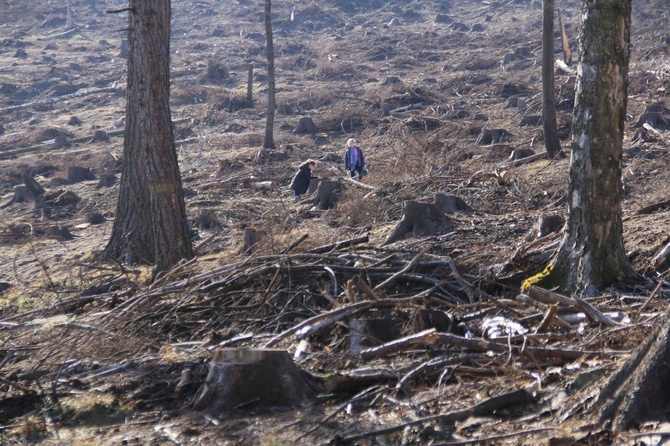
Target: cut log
(418,218)
(258,377)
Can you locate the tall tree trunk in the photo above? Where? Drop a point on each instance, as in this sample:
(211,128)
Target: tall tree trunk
(592,251)
(150,224)
(551,142)
(270,122)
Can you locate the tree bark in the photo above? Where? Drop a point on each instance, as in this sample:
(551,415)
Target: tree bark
(639,390)
(269,124)
(258,377)
(150,224)
(592,252)
(551,141)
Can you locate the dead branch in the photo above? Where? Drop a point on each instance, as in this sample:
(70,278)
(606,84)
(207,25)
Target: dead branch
(433,338)
(407,267)
(514,398)
(339,245)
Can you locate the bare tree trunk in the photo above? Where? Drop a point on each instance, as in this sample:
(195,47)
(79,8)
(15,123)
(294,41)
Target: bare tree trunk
(592,253)
(250,84)
(551,141)
(150,224)
(269,124)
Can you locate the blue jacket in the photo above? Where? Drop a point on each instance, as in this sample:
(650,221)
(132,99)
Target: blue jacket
(354,158)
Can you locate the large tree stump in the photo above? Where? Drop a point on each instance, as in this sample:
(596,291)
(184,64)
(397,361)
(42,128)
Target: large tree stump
(417,217)
(305,125)
(259,377)
(327,193)
(21,195)
(450,203)
(77,174)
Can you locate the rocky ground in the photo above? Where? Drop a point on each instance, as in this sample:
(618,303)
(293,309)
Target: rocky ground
(91,353)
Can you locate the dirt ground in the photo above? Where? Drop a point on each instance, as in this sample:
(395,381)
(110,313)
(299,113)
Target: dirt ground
(92,353)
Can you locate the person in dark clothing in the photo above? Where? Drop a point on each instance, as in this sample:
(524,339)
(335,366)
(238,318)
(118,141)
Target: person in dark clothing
(354,161)
(300,181)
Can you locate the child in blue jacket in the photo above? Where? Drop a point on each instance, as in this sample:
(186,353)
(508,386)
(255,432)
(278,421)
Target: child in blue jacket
(354,160)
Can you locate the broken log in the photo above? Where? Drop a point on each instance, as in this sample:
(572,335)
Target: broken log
(257,377)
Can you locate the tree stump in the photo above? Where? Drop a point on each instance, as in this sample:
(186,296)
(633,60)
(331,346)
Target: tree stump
(106,180)
(450,203)
(99,136)
(259,377)
(417,217)
(327,193)
(21,195)
(250,240)
(34,188)
(77,174)
(305,125)
(493,136)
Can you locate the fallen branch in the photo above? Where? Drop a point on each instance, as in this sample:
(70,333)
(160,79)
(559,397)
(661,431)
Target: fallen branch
(359,184)
(514,398)
(339,245)
(433,338)
(407,267)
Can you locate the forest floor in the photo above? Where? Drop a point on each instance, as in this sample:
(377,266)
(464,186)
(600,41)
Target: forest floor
(93,352)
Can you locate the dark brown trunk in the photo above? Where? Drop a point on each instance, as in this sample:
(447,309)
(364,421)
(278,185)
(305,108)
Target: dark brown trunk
(269,124)
(150,224)
(551,141)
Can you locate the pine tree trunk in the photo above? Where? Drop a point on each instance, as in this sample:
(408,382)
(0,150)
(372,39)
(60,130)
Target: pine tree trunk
(551,141)
(592,252)
(150,224)
(269,124)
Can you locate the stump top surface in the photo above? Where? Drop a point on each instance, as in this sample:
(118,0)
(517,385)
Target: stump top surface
(245,355)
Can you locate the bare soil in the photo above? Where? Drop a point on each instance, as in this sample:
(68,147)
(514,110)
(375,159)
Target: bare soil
(88,355)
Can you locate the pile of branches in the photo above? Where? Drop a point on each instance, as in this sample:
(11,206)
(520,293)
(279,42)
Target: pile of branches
(316,305)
